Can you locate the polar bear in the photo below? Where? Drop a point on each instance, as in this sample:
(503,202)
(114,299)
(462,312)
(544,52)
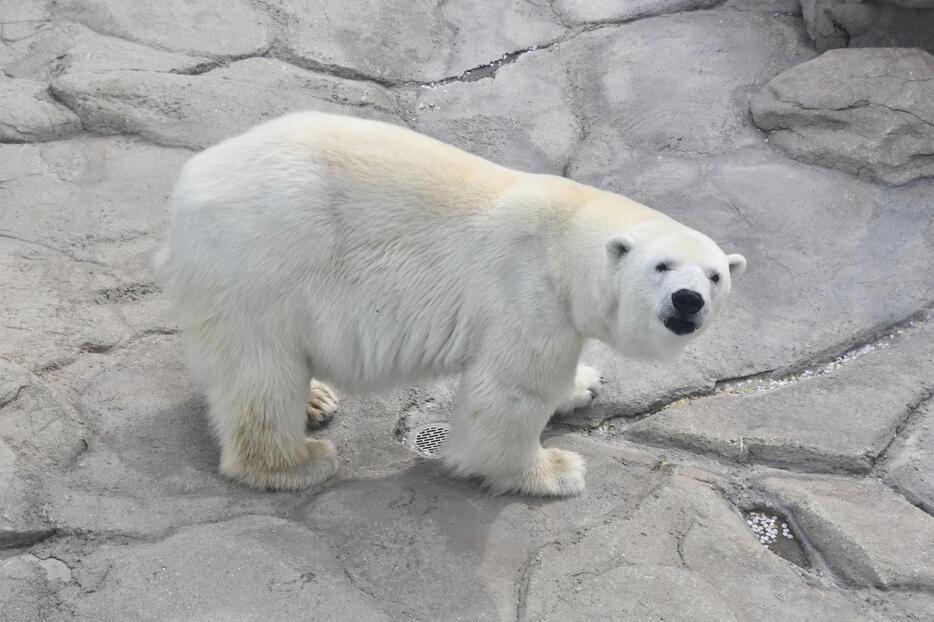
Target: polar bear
(359,255)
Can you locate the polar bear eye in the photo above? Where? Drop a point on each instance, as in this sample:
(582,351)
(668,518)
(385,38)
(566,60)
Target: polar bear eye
(663,267)
(715,277)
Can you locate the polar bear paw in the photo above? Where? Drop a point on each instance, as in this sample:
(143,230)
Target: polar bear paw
(317,464)
(322,402)
(556,473)
(586,389)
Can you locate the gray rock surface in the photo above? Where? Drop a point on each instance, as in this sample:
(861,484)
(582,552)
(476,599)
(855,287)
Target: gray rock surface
(607,11)
(521,118)
(197,111)
(54,47)
(866,111)
(257,565)
(688,102)
(25,587)
(864,530)
(29,114)
(838,416)
(210,27)
(682,554)
(862,23)
(39,433)
(910,469)
(111,507)
(417,41)
(76,242)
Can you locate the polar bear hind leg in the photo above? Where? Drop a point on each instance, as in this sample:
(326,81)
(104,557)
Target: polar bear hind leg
(258,406)
(495,436)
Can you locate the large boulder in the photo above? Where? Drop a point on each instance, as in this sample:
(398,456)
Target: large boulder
(866,111)
(869,23)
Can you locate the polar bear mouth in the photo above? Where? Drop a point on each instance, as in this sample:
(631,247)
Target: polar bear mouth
(680,326)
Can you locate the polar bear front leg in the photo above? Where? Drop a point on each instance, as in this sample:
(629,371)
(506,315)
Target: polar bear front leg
(586,389)
(495,436)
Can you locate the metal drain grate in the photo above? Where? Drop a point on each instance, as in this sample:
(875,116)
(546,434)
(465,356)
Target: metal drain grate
(430,438)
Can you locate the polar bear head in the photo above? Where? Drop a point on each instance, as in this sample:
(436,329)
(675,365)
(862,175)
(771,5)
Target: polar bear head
(670,281)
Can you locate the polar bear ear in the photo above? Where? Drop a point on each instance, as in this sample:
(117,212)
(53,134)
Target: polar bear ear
(737,264)
(618,245)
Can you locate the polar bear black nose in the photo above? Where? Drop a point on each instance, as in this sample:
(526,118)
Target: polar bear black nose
(687,302)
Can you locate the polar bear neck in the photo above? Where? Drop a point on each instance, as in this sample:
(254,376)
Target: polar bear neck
(578,248)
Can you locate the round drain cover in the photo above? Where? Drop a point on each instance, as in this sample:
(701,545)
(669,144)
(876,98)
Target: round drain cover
(430,438)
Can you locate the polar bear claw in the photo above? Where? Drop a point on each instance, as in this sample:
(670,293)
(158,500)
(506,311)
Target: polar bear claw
(321,405)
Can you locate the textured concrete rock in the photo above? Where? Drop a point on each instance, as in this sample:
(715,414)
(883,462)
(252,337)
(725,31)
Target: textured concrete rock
(423,40)
(687,98)
(20,522)
(521,118)
(25,593)
(29,114)
(197,111)
(41,428)
(435,548)
(774,7)
(835,416)
(20,21)
(46,292)
(683,554)
(609,11)
(865,531)
(254,567)
(25,11)
(866,111)
(623,593)
(40,434)
(209,27)
(150,436)
(908,605)
(13,379)
(70,194)
(862,23)
(32,57)
(76,216)
(910,468)
(92,53)
(64,46)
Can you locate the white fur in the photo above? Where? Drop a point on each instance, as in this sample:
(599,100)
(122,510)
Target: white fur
(586,388)
(368,256)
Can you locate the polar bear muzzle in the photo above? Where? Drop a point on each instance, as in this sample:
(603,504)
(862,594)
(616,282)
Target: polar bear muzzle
(687,301)
(686,304)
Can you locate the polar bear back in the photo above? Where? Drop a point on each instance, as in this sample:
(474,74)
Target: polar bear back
(382,252)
